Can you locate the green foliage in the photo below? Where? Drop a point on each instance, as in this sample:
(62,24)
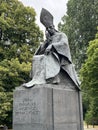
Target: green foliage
(6,108)
(89,78)
(18,23)
(80,25)
(20,37)
(24,52)
(92,113)
(89,71)
(13,73)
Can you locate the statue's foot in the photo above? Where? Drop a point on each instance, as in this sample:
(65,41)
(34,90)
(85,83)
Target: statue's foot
(26,86)
(29,84)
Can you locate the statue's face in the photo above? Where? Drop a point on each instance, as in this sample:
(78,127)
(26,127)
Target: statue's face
(51,30)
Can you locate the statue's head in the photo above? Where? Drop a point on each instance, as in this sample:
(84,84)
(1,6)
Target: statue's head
(46,19)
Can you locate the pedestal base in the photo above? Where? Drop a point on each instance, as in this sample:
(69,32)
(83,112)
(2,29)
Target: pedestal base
(47,107)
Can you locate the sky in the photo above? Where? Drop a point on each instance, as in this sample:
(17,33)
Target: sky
(57,8)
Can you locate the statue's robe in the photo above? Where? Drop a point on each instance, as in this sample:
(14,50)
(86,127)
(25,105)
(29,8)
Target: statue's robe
(48,66)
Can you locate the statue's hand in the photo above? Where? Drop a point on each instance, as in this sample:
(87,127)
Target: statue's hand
(48,49)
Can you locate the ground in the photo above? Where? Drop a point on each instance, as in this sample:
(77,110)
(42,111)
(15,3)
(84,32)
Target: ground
(90,128)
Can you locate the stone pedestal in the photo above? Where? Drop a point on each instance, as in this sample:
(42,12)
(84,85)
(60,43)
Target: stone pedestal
(47,107)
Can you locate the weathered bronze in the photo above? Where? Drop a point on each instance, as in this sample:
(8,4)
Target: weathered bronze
(52,56)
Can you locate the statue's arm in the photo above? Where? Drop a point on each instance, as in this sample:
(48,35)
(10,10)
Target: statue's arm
(62,47)
(41,49)
(55,44)
(38,50)
(48,49)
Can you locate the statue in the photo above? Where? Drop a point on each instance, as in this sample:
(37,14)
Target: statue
(52,56)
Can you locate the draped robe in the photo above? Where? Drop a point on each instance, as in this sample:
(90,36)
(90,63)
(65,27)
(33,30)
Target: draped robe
(48,66)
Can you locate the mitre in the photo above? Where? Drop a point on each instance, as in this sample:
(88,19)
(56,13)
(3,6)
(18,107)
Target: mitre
(46,18)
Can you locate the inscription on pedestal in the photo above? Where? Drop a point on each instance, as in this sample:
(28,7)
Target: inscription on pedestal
(26,111)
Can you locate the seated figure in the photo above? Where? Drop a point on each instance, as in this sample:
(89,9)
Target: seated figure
(52,56)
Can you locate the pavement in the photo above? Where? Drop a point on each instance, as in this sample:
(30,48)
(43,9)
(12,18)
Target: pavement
(90,128)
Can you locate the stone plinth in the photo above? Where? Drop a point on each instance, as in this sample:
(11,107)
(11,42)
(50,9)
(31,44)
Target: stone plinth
(33,109)
(47,107)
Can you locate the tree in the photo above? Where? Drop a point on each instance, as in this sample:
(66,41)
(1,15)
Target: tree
(20,37)
(80,25)
(18,26)
(6,108)
(13,73)
(89,78)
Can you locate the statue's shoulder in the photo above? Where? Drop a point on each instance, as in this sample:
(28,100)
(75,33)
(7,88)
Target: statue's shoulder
(61,34)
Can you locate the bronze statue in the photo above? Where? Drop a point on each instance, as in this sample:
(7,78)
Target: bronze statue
(52,56)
